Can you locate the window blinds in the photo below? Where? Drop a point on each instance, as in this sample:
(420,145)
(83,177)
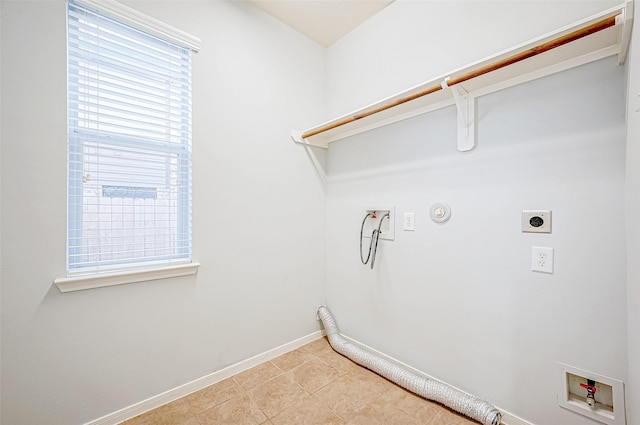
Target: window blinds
(129,145)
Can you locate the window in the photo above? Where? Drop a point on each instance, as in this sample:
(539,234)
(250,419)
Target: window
(129,142)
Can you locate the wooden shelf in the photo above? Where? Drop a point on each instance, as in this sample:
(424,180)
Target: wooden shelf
(599,36)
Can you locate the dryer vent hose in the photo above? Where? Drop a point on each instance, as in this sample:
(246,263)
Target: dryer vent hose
(429,389)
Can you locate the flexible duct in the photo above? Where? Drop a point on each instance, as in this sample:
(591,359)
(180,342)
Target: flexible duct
(430,389)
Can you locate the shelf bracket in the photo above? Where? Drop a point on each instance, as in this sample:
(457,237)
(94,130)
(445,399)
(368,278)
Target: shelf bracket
(626,17)
(466,106)
(296,136)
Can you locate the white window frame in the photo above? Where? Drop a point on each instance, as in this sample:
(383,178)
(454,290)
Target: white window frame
(94,278)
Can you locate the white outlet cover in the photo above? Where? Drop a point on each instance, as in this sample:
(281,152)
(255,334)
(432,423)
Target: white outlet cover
(409,221)
(542,259)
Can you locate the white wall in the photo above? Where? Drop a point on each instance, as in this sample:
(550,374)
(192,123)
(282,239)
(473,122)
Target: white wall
(633,227)
(458,301)
(258,214)
(410,42)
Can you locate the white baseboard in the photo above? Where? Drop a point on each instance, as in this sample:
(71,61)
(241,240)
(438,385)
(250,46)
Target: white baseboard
(200,383)
(507,418)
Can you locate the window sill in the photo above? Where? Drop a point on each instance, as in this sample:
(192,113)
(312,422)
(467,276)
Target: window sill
(99,280)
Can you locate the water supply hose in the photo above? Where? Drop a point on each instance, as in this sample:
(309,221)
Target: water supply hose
(429,389)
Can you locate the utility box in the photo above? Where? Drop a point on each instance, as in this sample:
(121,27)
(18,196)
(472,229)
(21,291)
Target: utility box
(592,395)
(380,217)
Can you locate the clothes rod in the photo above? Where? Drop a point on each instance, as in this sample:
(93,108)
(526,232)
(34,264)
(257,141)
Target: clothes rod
(544,47)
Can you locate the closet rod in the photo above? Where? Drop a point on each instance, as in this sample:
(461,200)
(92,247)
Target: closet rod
(544,47)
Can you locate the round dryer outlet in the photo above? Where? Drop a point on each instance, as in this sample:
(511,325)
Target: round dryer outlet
(440,212)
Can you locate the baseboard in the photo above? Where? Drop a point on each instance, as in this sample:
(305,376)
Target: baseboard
(507,418)
(200,383)
(510,419)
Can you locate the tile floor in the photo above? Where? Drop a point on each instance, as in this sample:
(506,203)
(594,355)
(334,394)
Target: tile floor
(312,385)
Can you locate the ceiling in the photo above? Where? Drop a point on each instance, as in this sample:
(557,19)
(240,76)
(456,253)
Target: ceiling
(324,21)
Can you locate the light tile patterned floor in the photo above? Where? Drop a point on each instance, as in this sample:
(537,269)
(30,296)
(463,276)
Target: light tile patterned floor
(312,385)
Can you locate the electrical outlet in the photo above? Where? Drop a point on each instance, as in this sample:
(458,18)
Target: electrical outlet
(542,259)
(536,221)
(409,221)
